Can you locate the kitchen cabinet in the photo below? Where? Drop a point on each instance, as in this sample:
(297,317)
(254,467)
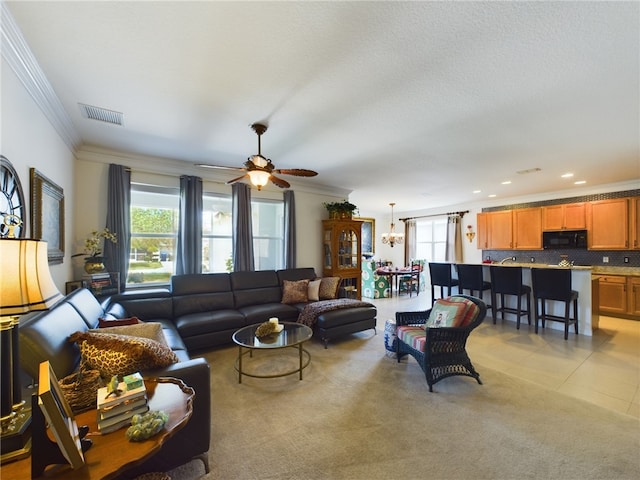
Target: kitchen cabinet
(613,294)
(619,295)
(633,285)
(568,216)
(482,231)
(341,241)
(634,223)
(527,229)
(499,230)
(608,224)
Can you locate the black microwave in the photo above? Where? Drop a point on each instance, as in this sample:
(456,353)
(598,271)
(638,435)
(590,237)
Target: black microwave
(564,239)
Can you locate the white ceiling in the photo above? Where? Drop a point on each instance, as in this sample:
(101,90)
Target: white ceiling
(418,103)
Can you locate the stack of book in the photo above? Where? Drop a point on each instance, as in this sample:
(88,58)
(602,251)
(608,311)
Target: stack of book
(115,412)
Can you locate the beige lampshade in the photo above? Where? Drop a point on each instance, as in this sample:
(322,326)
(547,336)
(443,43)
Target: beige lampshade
(25,281)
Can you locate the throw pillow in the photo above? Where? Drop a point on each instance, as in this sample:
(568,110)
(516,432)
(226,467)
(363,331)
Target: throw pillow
(114,354)
(314,290)
(329,288)
(295,291)
(150,330)
(117,322)
(451,312)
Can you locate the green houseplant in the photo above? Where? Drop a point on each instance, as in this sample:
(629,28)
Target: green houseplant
(343,209)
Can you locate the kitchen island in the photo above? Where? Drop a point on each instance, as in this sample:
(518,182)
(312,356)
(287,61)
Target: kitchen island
(580,281)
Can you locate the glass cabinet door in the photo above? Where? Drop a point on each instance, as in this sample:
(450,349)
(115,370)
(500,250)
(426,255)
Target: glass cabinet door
(348,248)
(327,248)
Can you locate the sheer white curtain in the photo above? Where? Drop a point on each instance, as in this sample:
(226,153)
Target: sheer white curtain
(453,252)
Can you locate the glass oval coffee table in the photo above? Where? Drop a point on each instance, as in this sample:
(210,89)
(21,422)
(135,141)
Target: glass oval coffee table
(293,335)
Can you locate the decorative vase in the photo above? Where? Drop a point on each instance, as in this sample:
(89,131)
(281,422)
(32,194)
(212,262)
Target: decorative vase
(346,215)
(94,265)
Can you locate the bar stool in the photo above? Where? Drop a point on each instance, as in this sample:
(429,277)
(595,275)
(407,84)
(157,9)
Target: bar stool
(441,276)
(508,281)
(471,278)
(550,284)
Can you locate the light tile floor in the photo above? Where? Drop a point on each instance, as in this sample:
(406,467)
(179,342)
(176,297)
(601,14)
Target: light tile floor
(603,369)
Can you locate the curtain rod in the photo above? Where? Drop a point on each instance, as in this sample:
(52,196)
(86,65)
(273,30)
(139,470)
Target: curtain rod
(435,215)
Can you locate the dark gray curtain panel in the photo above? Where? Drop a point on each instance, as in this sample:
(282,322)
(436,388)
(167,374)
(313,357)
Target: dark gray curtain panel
(189,248)
(290,249)
(242,234)
(116,255)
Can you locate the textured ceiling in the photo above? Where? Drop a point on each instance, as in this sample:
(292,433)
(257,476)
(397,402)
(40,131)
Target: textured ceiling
(418,103)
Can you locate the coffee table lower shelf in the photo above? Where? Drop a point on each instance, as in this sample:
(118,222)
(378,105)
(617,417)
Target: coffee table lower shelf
(305,359)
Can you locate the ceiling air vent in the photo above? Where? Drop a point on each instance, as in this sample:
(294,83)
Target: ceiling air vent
(100,114)
(529,170)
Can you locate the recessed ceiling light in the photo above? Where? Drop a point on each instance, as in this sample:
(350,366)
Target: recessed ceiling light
(580,182)
(477,191)
(492,195)
(506,182)
(567,175)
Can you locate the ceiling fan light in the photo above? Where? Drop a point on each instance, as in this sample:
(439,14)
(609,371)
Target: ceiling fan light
(259,178)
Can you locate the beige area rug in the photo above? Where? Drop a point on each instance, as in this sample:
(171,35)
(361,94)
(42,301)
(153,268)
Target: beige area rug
(358,414)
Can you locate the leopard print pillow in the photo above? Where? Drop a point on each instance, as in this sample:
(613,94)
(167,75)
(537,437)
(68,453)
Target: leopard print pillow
(113,354)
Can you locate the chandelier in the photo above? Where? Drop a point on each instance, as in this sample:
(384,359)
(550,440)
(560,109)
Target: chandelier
(392,237)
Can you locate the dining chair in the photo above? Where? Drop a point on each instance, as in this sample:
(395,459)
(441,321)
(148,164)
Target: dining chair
(441,276)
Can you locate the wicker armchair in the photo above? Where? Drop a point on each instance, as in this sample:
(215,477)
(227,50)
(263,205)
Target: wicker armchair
(440,352)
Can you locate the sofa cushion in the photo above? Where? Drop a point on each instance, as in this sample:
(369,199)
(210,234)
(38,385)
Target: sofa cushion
(114,354)
(313,292)
(150,330)
(451,312)
(295,291)
(329,288)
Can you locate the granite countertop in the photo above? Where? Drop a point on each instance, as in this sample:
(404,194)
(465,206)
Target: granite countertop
(595,269)
(605,270)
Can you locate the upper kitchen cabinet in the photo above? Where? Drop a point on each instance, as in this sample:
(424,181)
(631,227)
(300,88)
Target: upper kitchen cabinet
(527,229)
(495,230)
(634,224)
(569,216)
(608,224)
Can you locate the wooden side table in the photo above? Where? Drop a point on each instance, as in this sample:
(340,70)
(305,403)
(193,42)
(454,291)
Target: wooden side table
(112,454)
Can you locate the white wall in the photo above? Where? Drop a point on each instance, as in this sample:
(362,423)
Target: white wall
(29,140)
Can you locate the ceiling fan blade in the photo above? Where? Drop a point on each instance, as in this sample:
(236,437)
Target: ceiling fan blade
(220,167)
(233,180)
(279,182)
(298,172)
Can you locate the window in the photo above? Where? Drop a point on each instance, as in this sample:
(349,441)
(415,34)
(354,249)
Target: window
(154,232)
(217,224)
(431,239)
(268,234)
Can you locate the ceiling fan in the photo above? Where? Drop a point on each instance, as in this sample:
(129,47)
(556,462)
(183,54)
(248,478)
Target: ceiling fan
(260,170)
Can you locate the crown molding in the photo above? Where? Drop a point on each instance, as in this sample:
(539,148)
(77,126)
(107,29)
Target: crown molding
(18,55)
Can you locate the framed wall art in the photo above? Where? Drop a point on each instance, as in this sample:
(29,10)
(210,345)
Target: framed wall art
(59,416)
(368,236)
(47,215)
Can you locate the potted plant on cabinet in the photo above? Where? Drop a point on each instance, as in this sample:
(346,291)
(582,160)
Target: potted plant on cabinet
(340,210)
(93,263)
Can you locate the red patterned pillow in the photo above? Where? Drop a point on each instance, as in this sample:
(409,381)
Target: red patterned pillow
(295,291)
(117,322)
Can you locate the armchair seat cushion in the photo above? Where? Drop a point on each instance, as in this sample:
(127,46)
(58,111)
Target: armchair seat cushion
(413,336)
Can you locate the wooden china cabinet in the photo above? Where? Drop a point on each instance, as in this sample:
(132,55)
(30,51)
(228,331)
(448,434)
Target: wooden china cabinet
(342,241)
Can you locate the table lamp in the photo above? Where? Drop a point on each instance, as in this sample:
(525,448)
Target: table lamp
(25,286)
